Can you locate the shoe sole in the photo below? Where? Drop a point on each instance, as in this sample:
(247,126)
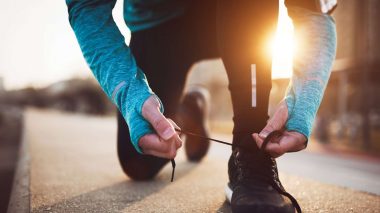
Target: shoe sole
(195,148)
(228,193)
(248,209)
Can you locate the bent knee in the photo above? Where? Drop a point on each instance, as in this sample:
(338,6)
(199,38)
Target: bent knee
(140,170)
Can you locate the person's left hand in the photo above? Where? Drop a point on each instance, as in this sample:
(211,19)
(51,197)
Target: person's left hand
(289,141)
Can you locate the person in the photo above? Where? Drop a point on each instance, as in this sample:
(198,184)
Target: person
(167,37)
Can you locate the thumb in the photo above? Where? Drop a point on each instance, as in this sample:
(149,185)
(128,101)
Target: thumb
(151,112)
(277,121)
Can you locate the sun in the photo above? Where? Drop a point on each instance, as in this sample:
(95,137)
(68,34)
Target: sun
(283,45)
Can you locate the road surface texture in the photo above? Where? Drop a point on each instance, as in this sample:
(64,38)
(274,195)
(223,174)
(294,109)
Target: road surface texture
(73,167)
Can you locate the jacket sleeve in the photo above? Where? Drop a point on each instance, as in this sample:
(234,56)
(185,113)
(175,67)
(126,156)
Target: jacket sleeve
(111,61)
(311,67)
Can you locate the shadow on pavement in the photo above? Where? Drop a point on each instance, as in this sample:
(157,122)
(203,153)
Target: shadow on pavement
(118,196)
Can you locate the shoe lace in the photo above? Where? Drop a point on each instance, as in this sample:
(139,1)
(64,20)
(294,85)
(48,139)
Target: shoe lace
(265,163)
(275,182)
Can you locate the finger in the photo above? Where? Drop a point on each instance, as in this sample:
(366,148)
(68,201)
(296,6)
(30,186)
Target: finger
(289,142)
(274,149)
(153,142)
(162,126)
(177,141)
(293,141)
(259,141)
(170,154)
(152,113)
(177,138)
(272,125)
(277,121)
(174,124)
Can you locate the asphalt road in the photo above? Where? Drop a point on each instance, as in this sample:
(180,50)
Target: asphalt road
(352,173)
(347,171)
(74,168)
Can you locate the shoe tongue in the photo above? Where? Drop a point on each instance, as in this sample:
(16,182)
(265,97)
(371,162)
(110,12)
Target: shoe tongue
(246,143)
(250,152)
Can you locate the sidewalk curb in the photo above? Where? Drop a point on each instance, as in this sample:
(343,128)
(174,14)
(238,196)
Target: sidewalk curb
(20,196)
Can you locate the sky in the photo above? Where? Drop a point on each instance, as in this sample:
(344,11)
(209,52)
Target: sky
(38,46)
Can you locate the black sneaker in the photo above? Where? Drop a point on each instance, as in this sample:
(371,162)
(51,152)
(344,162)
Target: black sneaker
(254,183)
(191,116)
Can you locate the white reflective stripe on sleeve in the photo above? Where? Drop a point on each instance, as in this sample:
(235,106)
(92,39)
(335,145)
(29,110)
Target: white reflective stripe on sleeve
(253,79)
(117,88)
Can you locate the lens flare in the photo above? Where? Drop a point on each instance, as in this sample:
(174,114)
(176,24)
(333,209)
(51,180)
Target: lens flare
(283,45)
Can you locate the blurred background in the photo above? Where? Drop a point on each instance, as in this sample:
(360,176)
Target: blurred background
(41,66)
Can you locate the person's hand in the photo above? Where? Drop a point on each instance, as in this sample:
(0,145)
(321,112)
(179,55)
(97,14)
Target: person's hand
(166,142)
(289,141)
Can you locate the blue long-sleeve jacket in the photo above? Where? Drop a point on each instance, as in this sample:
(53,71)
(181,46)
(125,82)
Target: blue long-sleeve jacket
(114,66)
(110,59)
(311,67)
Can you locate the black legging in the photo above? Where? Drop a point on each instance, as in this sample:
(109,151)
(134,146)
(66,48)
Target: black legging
(237,31)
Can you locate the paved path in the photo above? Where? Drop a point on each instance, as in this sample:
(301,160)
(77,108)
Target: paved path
(74,168)
(350,171)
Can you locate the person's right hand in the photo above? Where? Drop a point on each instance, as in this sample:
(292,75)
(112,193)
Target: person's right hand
(166,142)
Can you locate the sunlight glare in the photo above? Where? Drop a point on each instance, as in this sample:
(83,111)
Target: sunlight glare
(283,45)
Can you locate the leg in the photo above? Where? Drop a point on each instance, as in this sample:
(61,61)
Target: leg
(244,27)
(165,59)
(193,110)
(165,54)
